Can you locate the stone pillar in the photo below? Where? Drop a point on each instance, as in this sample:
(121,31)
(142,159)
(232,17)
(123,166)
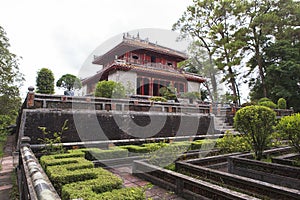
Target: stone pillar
(30,97)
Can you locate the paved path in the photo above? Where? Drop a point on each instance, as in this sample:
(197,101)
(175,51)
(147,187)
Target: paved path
(7,168)
(155,192)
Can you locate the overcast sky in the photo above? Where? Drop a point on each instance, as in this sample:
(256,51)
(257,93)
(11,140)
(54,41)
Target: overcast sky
(61,34)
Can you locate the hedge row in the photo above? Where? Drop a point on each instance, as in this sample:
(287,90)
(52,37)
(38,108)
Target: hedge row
(100,154)
(75,177)
(93,190)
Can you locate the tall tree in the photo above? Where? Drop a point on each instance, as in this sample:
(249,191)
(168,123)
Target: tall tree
(69,82)
(215,26)
(45,81)
(280,54)
(10,79)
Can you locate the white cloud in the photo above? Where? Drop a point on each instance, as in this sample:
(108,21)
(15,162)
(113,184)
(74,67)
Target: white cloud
(61,34)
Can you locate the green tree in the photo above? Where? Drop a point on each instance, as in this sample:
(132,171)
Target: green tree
(109,89)
(290,127)
(168,93)
(256,122)
(281,103)
(10,79)
(45,81)
(69,82)
(272,31)
(218,27)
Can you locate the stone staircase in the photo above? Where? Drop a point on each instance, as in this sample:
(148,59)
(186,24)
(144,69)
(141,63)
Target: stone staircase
(220,123)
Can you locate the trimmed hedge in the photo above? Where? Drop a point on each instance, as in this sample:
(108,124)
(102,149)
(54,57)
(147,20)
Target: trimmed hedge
(198,144)
(75,177)
(100,154)
(88,190)
(144,148)
(46,161)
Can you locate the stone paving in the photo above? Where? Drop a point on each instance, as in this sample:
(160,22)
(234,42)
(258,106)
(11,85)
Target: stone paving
(154,192)
(6,172)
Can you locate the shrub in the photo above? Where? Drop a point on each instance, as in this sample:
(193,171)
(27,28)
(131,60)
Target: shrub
(102,154)
(202,144)
(233,143)
(52,160)
(290,127)
(281,103)
(168,93)
(53,140)
(192,96)
(167,155)
(267,102)
(256,122)
(109,89)
(157,99)
(76,191)
(144,148)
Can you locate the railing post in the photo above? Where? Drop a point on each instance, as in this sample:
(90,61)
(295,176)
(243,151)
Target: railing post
(30,97)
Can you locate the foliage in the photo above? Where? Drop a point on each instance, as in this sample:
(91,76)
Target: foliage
(109,89)
(168,93)
(66,170)
(192,95)
(75,191)
(267,102)
(256,122)
(167,155)
(69,82)
(144,148)
(53,141)
(157,99)
(290,127)
(45,81)
(279,53)
(214,26)
(5,120)
(101,154)
(10,79)
(202,144)
(233,143)
(281,103)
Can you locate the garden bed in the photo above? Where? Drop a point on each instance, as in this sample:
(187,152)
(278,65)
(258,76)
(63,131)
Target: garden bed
(183,185)
(282,175)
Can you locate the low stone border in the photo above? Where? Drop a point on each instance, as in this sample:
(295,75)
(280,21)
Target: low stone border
(183,185)
(288,159)
(244,184)
(278,174)
(34,182)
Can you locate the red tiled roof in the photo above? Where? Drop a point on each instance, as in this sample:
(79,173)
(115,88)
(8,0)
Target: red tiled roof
(128,45)
(144,70)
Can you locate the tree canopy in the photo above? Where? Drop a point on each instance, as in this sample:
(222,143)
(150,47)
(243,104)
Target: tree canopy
(45,81)
(10,79)
(255,41)
(69,82)
(109,89)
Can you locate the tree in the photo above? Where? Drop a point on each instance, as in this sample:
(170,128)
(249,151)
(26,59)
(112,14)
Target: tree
(45,81)
(109,89)
(256,122)
(272,34)
(10,80)
(69,82)
(216,25)
(290,127)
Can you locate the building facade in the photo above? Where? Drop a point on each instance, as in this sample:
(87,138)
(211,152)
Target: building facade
(143,68)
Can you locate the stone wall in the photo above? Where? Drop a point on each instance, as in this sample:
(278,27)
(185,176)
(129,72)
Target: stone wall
(88,125)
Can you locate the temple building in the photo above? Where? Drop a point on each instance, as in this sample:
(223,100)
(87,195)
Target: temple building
(143,67)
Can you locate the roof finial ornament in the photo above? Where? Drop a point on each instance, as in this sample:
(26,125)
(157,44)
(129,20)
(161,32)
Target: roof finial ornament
(123,35)
(138,35)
